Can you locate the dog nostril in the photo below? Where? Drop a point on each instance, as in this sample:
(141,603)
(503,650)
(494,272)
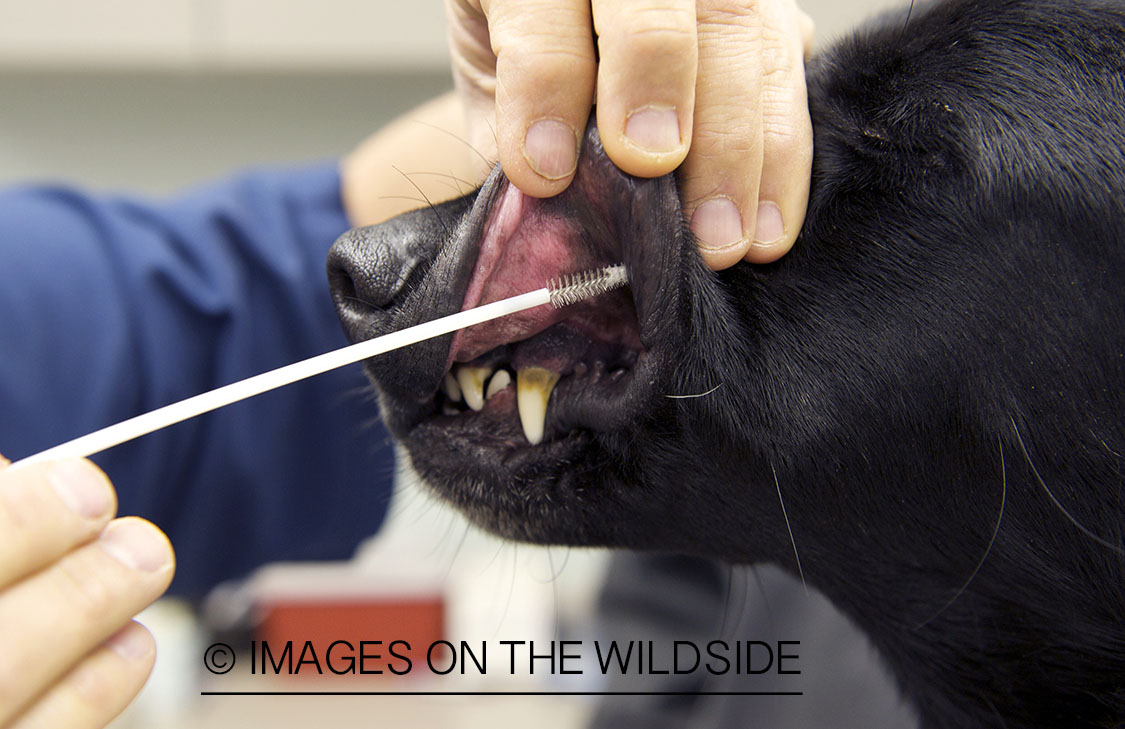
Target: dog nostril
(368,269)
(341,284)
(357,275)
(353,305)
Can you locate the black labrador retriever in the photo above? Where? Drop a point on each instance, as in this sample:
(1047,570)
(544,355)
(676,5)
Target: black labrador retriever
(919,409)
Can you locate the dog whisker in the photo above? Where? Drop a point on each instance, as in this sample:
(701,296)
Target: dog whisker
(459,180)
(357,300)
(1104,444)
(909,12)
(701,394)
(1070,517)
(771,622)
(456,551)
(785,514)
(991,541)
(729,630)
(411,198)
(495,136)
(511,589)
(489,164)
(727,600)
(444,539)
(554,592)
(453,183)
(565,562)
(429,202)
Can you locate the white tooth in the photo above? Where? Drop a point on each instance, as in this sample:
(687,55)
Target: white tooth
(450,387)
(533,390)
(499,381)
(471,380)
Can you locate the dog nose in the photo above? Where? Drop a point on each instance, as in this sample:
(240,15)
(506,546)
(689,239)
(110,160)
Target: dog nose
(360,271)
(376,279)
(367,272)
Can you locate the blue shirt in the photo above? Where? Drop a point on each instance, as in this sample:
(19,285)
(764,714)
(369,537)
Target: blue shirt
(110,307)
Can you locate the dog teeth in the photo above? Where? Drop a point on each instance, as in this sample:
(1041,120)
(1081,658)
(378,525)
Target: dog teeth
(533,390)
(450,387)
(471,380)
(534,386)
(499,381)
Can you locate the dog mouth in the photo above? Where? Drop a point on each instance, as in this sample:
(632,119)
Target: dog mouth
(546,380)
(541,374)
(517,399)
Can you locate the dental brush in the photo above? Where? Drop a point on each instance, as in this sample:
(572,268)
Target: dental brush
(560,292)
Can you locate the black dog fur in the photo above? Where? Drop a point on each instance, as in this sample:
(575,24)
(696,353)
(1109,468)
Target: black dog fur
(931,381)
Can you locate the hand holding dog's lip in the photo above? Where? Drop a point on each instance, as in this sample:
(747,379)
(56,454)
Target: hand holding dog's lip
(675,84)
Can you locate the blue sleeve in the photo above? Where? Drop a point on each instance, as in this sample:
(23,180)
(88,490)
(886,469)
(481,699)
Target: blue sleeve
(110,307)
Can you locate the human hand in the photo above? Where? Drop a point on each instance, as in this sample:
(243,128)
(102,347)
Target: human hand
(70,580)
(717,85)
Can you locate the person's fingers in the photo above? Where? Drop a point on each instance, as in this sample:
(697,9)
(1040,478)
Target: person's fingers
(545,71)
(53,618)
(745,181)
(787,139)
(98,688)
(646,82)
(48,509)
(719,179)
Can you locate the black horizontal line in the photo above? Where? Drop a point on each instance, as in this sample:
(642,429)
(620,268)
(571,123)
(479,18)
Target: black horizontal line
(501,693)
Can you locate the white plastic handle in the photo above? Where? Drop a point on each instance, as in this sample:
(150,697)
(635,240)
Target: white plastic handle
(135,427)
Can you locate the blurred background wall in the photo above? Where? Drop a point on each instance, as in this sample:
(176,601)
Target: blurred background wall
(152,95)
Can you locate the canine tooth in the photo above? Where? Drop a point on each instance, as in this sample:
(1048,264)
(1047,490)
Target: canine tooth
(533,390)
(499,381)
(471,380)
(450,387)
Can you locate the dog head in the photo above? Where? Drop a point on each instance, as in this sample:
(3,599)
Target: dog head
(918,409)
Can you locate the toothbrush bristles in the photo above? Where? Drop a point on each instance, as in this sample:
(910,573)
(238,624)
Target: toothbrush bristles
(575,287)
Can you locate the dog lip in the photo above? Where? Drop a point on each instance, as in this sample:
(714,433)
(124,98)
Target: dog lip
(525,243)
(519,243)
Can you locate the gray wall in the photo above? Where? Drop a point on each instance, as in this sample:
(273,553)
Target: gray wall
(159,131)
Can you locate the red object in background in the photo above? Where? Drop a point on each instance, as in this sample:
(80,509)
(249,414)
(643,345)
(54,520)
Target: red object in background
(372,638)
(320,624)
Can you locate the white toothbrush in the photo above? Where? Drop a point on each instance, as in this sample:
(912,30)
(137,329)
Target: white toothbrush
(561,292)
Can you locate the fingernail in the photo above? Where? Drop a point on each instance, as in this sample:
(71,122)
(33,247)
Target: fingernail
(131,642)
(717,223)
(82,487)
(769,227)
(551,148)
(136,544)
(654,129)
